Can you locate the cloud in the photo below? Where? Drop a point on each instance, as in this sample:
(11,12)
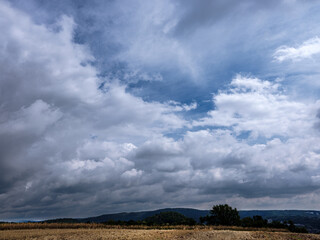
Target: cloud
(261,108)
(262,143)
(76,142)
(51,108)
(198,15)
(216,163)
(317,124)
(34,119)
(187,43)
(307,49)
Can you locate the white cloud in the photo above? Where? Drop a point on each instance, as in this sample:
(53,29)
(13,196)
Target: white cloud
(307,49)
(182,107)
(261,108)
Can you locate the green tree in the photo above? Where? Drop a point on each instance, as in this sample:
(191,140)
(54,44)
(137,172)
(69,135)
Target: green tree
(222,215)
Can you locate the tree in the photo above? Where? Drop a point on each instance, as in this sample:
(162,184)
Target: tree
(259,222)
(247,222)
(222,215)
(298,229)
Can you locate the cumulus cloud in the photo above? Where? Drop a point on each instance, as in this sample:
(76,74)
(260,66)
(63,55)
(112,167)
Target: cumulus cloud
(307,49)
(262,143)
(76,143)
(261,108)
(56,120)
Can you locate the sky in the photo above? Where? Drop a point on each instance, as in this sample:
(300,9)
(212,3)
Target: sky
(130,105)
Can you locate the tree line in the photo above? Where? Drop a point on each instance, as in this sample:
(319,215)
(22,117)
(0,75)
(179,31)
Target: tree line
(223,215)
(227,216)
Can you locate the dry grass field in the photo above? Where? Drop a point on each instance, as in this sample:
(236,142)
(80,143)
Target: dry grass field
(146,234)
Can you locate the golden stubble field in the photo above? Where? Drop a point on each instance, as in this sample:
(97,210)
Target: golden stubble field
(147,234)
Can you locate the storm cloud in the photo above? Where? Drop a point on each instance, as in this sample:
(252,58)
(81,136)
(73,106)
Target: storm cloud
(104,109)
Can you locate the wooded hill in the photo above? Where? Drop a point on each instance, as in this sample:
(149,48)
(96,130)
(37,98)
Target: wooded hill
(309,219)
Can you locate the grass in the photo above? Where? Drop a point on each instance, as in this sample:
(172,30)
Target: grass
(91,231)
(146,234)
(19,226)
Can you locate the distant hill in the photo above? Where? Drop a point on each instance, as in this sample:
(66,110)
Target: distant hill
(136,216)
(310,219)
(63,220)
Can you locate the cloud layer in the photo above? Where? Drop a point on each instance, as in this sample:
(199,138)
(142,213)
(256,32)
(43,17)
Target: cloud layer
(75,142)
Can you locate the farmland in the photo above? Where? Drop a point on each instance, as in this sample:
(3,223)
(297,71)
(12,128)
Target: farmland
(55,232)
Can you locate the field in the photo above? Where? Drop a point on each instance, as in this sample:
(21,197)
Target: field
(146,234)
